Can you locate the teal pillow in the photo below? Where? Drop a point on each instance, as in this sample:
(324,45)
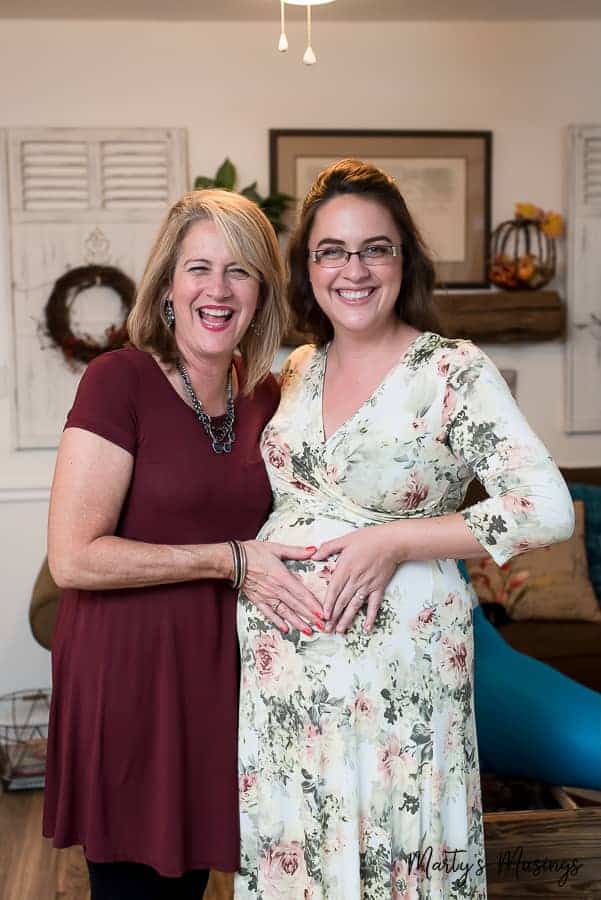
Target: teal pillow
(532,721)
(591,495)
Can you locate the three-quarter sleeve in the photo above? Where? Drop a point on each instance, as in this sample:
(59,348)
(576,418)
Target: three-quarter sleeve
(105,400)
(529,504)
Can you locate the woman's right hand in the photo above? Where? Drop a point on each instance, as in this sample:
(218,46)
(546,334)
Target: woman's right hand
(281,596)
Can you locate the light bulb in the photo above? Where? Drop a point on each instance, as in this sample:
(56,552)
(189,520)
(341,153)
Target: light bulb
(283,42)
(309,58)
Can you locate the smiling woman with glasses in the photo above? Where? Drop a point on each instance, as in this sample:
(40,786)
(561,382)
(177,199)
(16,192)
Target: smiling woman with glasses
(358,762)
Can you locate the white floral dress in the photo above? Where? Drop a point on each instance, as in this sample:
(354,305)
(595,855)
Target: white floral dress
(358,759)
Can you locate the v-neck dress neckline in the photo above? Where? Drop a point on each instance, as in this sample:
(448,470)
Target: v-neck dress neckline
(399,364)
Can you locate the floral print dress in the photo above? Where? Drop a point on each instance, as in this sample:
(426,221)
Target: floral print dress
(358,758)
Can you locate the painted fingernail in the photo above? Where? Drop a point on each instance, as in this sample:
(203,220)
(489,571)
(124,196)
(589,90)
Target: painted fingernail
(284,629)
(312,549)
(320,625)
(307,631)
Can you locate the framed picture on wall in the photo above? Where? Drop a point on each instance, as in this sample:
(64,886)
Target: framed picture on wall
(444,177)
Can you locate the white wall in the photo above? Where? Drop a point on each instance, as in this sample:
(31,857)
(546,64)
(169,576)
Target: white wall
(228,86)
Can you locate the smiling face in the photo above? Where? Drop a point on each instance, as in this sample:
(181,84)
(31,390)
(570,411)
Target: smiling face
(356,297)
(214,296)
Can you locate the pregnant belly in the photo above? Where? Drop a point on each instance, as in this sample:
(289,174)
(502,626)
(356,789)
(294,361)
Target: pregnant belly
(306,531)
(419,577)
(426,605)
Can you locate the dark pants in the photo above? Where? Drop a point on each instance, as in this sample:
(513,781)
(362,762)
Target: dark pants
(133,881)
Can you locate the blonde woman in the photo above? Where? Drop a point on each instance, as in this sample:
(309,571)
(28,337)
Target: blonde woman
(158,491)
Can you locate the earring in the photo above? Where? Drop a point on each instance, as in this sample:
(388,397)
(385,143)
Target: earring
(169,313)
(255,328)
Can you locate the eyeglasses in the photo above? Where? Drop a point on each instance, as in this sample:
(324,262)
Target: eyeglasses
(372,255)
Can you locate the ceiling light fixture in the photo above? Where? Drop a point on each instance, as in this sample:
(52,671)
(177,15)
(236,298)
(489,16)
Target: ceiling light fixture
(309,58)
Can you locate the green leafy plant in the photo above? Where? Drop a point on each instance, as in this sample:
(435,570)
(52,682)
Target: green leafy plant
(274,205)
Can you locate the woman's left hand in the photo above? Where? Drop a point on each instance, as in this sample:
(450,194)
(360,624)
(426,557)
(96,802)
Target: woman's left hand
(367,560)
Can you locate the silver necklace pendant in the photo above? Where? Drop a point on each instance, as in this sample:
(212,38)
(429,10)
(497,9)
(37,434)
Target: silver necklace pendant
(221,436)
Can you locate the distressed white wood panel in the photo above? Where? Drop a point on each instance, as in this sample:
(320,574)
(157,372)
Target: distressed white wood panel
(64,184)
(68,174)
(54,175)
(583,355)
(134,174)
(41,254)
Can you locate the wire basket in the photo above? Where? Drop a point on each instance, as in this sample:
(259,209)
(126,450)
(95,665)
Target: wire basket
(23,738)
(523,256)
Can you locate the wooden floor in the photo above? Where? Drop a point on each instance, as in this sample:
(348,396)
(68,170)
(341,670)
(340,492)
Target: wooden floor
(31,869)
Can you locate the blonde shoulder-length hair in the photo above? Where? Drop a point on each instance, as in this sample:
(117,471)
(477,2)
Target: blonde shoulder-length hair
(251,239)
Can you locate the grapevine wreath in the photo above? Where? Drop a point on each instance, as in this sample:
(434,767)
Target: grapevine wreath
(82,348)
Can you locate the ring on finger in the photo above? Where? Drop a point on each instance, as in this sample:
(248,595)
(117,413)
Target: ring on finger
(359,596)
(277,606)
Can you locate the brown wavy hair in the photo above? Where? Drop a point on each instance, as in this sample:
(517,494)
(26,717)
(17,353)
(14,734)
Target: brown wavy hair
(250,238)
(415,304)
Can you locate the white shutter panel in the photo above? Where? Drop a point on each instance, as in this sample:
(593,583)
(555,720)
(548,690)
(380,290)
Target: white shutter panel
(583,382)
(75,193)
(54,175)
(134,174)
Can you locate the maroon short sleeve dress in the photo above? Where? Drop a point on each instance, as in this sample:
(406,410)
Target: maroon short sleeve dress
(142,744)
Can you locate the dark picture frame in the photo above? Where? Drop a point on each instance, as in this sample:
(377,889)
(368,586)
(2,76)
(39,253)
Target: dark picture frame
(445,177)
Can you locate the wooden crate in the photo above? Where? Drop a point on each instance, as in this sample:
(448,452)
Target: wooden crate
(547,852)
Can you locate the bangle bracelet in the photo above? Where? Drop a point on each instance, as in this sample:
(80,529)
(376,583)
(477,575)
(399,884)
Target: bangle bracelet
(233,545)
(243,563)
(240,563)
